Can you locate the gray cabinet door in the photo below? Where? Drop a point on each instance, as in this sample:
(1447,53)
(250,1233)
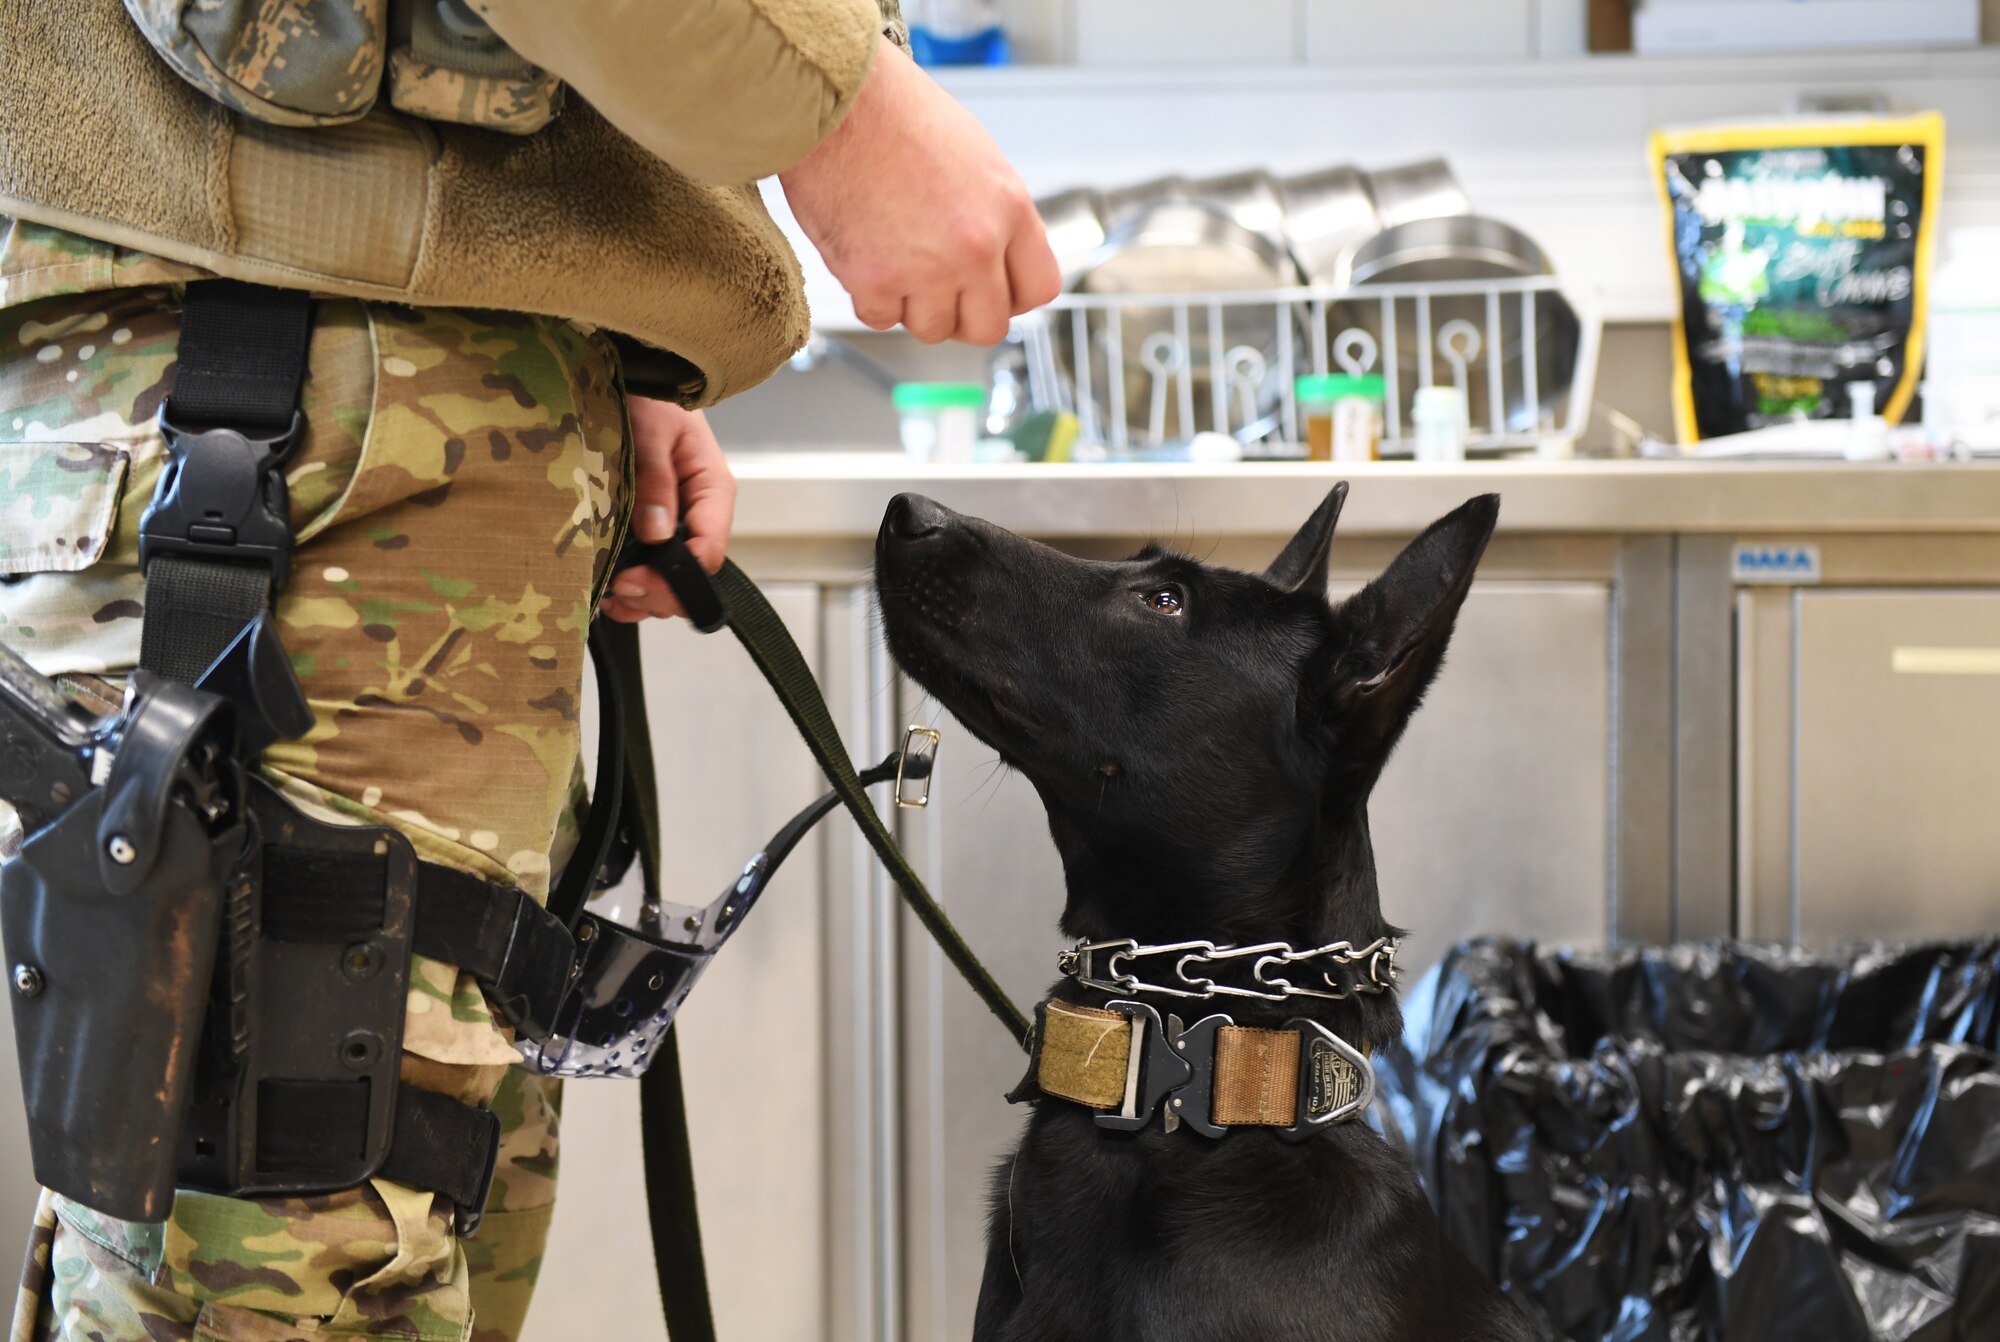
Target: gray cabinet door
(1894,725)
(1492,817)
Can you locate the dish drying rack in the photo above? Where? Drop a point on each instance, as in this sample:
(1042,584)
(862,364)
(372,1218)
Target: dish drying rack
(1226,362)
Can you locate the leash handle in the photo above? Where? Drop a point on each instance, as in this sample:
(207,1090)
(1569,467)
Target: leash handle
(691,585)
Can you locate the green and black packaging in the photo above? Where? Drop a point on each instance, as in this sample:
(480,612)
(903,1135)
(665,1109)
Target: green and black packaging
(1802,254)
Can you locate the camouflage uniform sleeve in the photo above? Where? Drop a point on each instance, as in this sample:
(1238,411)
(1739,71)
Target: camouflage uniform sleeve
(727,91)
(893,26)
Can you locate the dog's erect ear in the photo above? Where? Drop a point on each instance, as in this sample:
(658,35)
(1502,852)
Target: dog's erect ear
(1399,623)
(1302,565)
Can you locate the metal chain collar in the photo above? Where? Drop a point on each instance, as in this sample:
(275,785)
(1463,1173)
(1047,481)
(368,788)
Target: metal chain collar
(1100,965)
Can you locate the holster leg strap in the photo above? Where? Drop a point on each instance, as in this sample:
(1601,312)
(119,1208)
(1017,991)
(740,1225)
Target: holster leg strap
(448,1148)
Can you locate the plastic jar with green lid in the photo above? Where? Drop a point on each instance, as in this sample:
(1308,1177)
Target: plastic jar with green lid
(941,420)
(1342,414)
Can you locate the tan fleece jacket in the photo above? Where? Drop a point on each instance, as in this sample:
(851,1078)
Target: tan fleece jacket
(578,221)
(791,71)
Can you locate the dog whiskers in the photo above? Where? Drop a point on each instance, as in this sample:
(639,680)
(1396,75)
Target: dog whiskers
(1012,1257)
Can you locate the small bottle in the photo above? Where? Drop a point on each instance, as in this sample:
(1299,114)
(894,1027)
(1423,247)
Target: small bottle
(1439,417)
(940,420)
(956,32)
(1343,415)
(1867,432)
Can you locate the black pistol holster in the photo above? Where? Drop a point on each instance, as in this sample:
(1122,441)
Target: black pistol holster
(111,914)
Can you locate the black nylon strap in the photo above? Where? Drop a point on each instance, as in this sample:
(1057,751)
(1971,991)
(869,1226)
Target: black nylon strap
(678,1261)
(438,1144)
(614,746)
(446,1147)
(194,609)
(764,636)
(520,952)
(242,355)
(240,364)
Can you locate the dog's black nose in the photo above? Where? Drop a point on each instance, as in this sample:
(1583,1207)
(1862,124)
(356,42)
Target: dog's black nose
(912,516)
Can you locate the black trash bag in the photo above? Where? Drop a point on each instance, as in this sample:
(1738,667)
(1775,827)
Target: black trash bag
(1718,1141)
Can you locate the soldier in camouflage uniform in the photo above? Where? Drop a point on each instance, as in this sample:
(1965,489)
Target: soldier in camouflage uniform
(457,500)
(464,480)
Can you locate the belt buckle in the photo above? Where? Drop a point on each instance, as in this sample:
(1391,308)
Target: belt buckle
(222,495)
(1154,1069)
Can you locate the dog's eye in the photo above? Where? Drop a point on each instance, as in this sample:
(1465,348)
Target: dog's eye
(1167,600)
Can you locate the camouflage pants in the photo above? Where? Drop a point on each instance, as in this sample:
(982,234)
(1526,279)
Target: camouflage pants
(457,499)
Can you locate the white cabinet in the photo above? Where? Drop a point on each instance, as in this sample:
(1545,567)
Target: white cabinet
(1145,32)
(1349,32)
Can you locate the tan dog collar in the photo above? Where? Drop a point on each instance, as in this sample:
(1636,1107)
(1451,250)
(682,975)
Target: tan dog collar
(1214,1075)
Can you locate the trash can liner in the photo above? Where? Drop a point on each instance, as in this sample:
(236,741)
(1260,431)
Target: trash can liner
(1720,1141)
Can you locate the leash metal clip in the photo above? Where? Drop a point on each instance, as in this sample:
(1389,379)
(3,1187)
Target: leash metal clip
(916,762)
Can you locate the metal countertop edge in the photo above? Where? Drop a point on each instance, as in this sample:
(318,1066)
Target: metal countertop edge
(793,496)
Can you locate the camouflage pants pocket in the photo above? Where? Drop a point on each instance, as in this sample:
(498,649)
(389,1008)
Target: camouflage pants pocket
(377,1262)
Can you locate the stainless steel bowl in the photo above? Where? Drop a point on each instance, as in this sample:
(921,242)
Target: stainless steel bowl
(1123,203)
(1075,224)
(1178,247)
(1328,216)
(1426,190)
(1469,248)
(1186,247)
(1251,199)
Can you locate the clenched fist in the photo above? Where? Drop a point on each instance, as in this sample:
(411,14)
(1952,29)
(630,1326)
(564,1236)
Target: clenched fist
(919,216)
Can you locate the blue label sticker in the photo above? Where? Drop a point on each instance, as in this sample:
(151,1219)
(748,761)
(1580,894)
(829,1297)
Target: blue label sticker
(1783,562)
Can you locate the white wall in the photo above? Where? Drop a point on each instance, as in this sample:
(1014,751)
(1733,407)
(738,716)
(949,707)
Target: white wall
(1557,146)
(1045,32)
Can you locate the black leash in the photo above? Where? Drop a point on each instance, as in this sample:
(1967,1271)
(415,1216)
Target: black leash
(732,599)
(678,1260)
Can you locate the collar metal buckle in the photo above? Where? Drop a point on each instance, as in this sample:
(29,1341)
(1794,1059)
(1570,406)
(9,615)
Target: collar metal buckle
(1080,963)
(1153,1069)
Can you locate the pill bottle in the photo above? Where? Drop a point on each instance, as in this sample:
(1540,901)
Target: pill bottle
(1440,419)
(941,420)
(1342,413)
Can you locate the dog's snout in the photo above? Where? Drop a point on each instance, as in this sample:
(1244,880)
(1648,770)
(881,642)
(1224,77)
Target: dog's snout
(912,517)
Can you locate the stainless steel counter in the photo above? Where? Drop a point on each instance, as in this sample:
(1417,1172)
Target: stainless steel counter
(840,495)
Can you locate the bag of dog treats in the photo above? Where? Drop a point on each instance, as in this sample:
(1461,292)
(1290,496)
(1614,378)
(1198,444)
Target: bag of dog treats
(1802,251)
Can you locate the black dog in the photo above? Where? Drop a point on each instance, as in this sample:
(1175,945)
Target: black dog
(1205,742)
